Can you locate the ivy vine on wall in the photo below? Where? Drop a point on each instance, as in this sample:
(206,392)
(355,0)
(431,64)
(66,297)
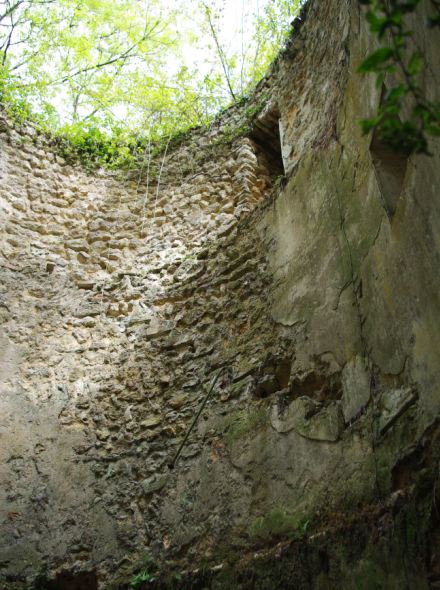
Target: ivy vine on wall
(399,56)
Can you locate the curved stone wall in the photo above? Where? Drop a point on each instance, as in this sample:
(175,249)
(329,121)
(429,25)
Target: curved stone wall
(123,295)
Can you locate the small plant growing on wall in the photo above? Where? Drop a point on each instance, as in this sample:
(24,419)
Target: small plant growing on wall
(144,575)
(141,577)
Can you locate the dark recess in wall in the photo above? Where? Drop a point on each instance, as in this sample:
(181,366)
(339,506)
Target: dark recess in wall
(266,135)
(390,167)
(73,581)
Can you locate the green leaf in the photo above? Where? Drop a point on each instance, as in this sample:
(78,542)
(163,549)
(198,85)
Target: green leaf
(396,93)
(377,23)
(380,80)
(415,63)
(396,17)
(433,130)
(368,124)
(377,59)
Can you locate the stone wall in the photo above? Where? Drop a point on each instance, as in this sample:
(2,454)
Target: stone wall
(122,295)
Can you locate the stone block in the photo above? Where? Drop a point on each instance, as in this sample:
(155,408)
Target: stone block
(309,419)
(355,387)
(151,422)
(154,483)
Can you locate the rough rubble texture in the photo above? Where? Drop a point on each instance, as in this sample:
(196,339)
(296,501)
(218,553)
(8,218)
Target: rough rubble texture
(275,246)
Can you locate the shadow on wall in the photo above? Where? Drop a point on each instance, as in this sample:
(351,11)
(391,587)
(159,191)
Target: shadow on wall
(71,581)
(390,168)
(266,135)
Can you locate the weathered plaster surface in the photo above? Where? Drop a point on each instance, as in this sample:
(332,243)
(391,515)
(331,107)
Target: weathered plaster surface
(121,297)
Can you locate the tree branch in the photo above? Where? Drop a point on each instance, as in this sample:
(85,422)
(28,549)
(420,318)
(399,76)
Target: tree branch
(219,50)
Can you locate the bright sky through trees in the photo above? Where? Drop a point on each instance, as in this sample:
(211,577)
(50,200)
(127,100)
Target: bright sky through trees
(161,65)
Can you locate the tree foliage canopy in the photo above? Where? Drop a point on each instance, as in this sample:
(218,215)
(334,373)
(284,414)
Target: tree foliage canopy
(108,67)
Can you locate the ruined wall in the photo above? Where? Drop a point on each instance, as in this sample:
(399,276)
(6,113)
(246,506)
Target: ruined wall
(121,297)
(106,286)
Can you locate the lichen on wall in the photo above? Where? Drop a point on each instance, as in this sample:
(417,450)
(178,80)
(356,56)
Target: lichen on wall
(264,248)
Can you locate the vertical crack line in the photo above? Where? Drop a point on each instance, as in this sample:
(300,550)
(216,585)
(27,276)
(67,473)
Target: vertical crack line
(352,281)
(364,345)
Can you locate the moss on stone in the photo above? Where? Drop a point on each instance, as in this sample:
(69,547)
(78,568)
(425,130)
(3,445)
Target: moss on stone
(278,523)
(243,423)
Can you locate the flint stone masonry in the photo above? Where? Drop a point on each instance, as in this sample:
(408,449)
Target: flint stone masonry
(122,296)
